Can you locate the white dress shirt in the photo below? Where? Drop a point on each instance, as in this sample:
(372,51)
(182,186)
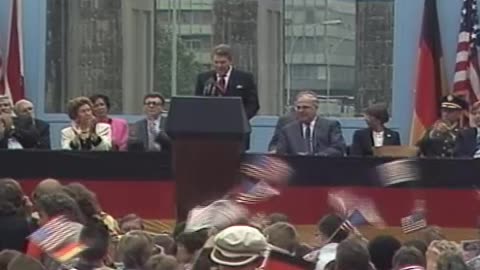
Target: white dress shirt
(153,127)
(378,138)
(226,77)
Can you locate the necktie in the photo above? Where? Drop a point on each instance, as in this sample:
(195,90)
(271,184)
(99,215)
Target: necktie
(221,85)
(308,138)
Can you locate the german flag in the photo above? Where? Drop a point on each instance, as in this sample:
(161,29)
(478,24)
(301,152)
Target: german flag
(430,78)
(68,252)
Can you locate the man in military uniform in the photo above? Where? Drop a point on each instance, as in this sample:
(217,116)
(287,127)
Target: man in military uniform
(439,140)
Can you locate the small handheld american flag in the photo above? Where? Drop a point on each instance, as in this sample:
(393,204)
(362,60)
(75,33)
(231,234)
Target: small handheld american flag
(272,170)
(260,192)
(413,223)
(57,238)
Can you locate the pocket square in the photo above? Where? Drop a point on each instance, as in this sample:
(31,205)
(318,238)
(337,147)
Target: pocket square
(239,86)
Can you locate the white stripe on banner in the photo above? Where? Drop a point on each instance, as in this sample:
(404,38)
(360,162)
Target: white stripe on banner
(462,56)
(460,76)
(463,37)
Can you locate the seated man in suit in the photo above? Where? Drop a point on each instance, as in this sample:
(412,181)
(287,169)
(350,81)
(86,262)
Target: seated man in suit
(376,134)
(468,140)
(149,134)
(41,129)
(310,134)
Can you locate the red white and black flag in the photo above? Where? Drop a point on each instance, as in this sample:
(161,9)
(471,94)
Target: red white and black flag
(430,77)
(12,84)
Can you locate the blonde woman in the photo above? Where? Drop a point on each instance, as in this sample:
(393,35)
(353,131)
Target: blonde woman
(84,132)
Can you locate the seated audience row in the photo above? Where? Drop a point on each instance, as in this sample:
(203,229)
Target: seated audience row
(91,127)
(300,132)
(304,132)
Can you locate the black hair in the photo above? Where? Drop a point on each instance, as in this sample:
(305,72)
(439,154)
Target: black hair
(154,95)
(105,99)
(382,248)
(96,237)
(329,225)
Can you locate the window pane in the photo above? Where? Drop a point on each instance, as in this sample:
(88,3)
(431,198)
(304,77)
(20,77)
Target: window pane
(84,52)
(342,50)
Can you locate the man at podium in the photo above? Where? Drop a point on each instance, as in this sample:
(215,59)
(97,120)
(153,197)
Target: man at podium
(225,80)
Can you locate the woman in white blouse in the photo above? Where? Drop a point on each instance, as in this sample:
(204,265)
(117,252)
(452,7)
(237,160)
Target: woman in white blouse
(85,133)
(376,134)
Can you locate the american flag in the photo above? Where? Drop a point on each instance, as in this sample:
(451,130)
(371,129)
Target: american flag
(355,219)
(260,192)
(266,168)
(219,214)
(54,234)
(413,223)
(467,70)
(346,204)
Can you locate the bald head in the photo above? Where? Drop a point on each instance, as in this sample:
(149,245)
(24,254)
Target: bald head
(47,186)
(24,107)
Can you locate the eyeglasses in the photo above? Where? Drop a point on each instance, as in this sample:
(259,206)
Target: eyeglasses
(153,103)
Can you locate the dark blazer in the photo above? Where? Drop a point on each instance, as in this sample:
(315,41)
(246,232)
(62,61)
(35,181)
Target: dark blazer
(327,139)
(29,135)
(466,143)
(363,141)
(240,84)
(138,137)
(13,232)
(282,121)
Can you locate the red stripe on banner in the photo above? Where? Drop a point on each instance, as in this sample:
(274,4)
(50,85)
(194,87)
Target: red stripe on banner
(463,46)
(462,65)
(150,199)
(304,205)
(14,68)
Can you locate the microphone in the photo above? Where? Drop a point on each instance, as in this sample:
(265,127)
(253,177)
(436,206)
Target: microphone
(209,86)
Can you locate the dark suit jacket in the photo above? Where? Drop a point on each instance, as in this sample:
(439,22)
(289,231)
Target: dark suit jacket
(138,137)
(30,136)
(282,121)
(466,143)
(327,139)
(240,84)
(363,141)
(14,231)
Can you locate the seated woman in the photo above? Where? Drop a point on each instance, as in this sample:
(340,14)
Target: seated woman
(119,127)
(85,133)
(376,134)
(468,140)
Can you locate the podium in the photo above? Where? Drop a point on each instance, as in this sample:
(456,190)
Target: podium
(208,135)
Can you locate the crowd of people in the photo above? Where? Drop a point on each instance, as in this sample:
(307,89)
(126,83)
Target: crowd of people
(123,243)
